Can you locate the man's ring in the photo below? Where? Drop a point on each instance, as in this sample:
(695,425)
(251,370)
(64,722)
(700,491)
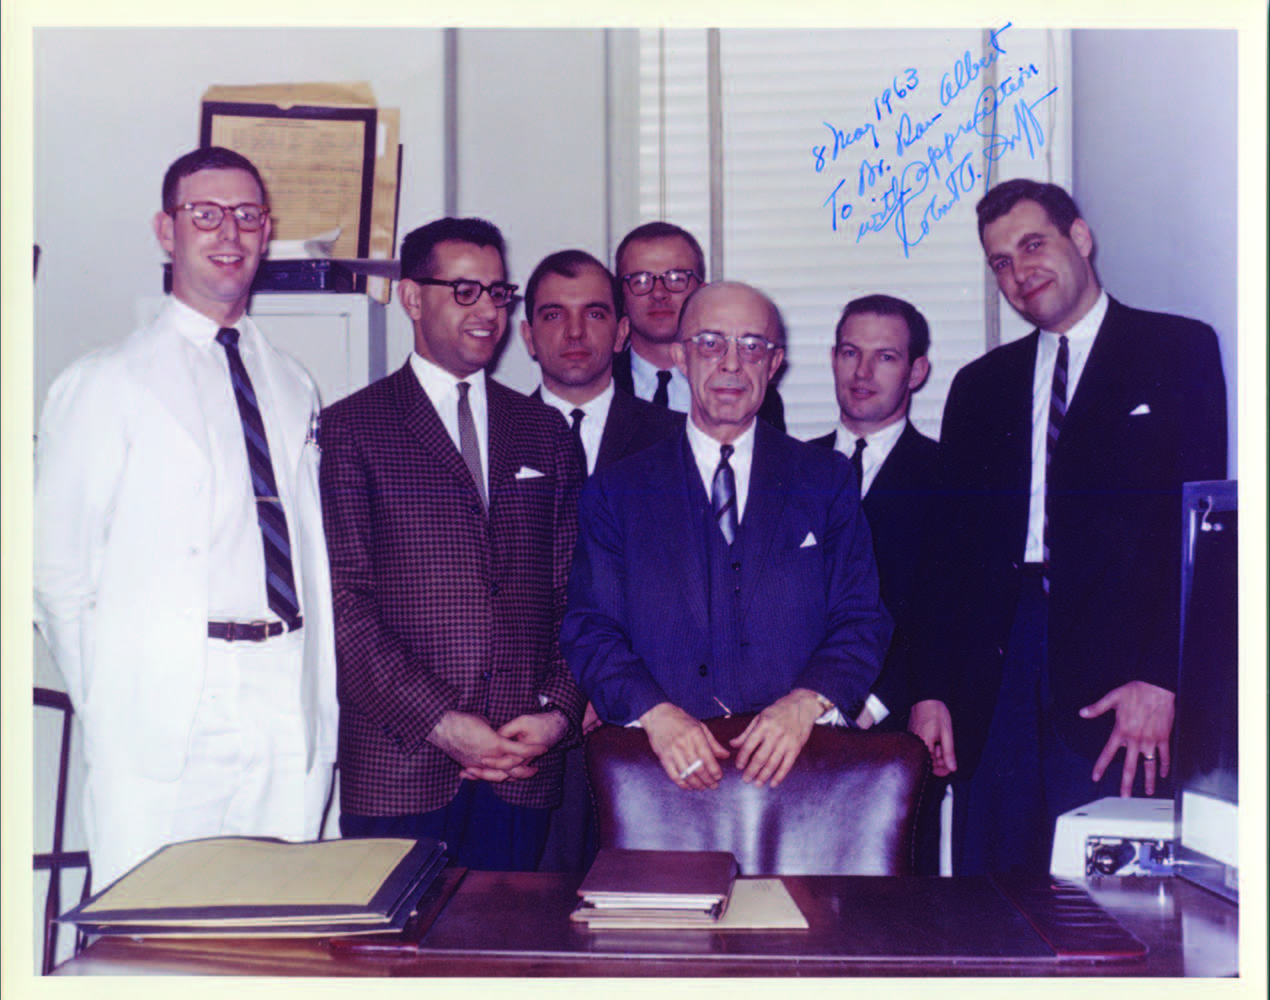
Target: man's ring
(1148,756)
(691,769)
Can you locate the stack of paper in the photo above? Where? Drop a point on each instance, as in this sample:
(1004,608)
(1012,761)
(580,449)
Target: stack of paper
(244,886)
(626,888)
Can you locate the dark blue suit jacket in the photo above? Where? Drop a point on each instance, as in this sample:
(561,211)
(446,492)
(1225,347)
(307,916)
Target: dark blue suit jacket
(636,631)
(900,507)
(1148,414)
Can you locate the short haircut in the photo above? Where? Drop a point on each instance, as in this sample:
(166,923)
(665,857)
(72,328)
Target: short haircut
(417,246)
(778,321)
(567,264)
(1059,206)
(207,158)
(889,305)
(656,231)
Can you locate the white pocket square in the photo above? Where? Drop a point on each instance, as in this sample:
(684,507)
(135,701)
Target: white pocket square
(526,472)
(1139,410)
(809,541)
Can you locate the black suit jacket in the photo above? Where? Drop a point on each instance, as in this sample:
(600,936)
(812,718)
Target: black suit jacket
(439,603)
(1148,414)
(900,508)
(632,425)
(772,410)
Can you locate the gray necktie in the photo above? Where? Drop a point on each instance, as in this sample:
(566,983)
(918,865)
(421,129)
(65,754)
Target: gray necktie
(469,445)
(723,495)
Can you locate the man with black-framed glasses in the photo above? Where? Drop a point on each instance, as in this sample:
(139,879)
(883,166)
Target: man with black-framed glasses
(450,509)
(180,569)
(726,569)
(658,265)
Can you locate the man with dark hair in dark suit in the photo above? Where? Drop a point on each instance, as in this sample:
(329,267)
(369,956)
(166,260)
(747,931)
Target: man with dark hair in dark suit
(571,330)
(658,266)
(450,509)
(879,360)
(1052,637)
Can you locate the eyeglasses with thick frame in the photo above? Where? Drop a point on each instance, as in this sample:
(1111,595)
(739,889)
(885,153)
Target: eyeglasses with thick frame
(676,279)
(467,291)
(208,215)
(750,348)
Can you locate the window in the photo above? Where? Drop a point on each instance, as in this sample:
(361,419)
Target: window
(814,135)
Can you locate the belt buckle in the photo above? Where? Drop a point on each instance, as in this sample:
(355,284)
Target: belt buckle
(259,625)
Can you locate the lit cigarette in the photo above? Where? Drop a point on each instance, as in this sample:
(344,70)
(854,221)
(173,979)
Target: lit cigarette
(691,769)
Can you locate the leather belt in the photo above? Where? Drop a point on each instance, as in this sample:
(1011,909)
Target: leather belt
(257,631)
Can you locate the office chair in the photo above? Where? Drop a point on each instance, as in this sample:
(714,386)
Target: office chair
(58,860)
(848,806)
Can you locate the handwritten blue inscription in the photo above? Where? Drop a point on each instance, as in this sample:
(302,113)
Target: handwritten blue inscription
(908,191)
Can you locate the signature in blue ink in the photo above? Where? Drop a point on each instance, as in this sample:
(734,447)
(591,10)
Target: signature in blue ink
(907,133)
(967,69)
(834,211)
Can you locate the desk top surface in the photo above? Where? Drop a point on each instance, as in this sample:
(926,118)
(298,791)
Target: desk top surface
(516,924)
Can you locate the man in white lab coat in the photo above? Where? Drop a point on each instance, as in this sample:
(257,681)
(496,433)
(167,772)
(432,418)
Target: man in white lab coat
(181,577)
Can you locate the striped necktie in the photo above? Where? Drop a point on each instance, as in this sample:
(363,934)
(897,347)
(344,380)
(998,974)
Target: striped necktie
(279,576)
(1058,410)
(723,495)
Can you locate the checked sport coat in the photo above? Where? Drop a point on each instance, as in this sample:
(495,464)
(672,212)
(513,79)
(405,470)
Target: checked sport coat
(440,605)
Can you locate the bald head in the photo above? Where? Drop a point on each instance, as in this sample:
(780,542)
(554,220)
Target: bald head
(731,293)
(731,343)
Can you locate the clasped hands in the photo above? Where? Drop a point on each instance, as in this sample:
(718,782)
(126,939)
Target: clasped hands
(503,754)
(765,751)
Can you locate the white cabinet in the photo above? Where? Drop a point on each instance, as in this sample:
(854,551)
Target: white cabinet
(341,339)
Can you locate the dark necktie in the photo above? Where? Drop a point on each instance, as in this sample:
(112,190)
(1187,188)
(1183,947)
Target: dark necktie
(577,415)
(857,462)
(279,576)
(1058,410)
(662,396)
(469,445)
(723,495)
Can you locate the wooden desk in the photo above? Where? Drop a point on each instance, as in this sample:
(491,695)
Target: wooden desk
(516,925)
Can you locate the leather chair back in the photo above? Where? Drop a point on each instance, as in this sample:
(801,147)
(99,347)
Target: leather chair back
(848,806)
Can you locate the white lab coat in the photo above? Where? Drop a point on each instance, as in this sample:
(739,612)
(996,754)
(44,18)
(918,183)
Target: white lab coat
(122,533)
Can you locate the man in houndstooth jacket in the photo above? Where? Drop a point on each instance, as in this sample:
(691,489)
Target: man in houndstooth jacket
(449,507)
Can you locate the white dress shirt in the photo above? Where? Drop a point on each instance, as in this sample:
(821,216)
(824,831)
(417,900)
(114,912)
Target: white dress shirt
(595,415)
(876,447)
(442,391)
(644,382)
(236,560)
(1080,338)
(705,450)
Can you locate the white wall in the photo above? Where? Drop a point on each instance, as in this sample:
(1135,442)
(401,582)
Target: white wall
(113,107)
(1154,143)
(531,152)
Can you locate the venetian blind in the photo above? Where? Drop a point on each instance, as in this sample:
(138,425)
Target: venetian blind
(851,163)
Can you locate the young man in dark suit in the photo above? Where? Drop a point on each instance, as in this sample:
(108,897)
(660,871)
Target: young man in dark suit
(725,569)
(571,330)
(658,266)
(450,509)
(879,360)
(1053,630)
